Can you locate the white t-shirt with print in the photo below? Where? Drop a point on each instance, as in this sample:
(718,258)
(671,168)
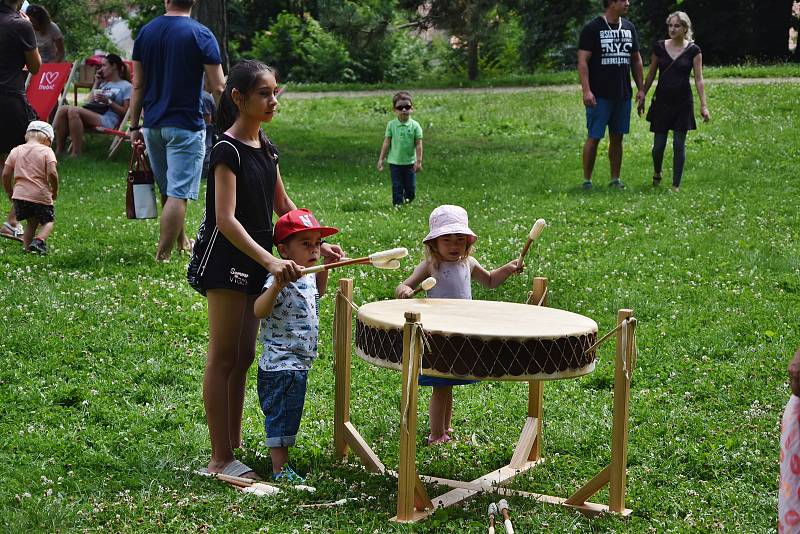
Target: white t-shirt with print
(289,335)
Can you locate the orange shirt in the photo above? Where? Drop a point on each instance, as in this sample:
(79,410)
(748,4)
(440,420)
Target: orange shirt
(31,162)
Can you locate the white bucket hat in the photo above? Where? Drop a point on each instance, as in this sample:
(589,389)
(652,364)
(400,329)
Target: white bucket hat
(41,126)
(449,219)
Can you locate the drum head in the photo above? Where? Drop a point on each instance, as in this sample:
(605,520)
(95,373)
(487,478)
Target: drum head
(481,339)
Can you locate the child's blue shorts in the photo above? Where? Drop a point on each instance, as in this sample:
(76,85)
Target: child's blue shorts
(616,114)
(282,395)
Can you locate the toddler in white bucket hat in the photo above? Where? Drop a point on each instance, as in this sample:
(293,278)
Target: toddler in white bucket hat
(448,259)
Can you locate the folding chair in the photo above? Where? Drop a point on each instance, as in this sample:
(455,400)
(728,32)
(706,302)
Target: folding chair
(47,89)
(122,133)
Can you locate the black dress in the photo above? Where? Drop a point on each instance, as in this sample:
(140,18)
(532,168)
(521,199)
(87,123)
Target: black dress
(672,107)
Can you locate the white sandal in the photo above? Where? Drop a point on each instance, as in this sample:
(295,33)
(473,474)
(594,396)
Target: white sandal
(11,232)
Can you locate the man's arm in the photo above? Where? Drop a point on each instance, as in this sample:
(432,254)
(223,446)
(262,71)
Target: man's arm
(136,102)
(638,76)
(583,73)
(215,81)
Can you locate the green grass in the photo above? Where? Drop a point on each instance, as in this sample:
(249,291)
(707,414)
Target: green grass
(102,350)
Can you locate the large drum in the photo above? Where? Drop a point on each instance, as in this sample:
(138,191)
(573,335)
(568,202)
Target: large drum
(481,340)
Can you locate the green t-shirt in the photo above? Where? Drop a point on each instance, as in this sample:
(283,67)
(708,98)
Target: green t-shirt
(404,137)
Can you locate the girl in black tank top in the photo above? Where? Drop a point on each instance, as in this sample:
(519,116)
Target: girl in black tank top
(233,251)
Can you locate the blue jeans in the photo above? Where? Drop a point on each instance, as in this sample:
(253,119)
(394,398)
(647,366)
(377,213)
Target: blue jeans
(404,183)
(176,157)
(616,114)
(282,395)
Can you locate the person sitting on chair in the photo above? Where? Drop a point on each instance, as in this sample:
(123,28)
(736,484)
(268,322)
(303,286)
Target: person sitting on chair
(108,103)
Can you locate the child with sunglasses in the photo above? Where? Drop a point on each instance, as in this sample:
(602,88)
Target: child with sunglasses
(403,141)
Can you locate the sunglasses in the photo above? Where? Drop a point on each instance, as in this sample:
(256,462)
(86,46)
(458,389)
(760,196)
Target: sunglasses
(403,108)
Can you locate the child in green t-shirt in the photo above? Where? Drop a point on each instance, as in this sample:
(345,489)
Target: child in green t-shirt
(403,141)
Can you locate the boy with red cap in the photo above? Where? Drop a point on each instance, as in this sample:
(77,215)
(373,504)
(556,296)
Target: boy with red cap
(289,330)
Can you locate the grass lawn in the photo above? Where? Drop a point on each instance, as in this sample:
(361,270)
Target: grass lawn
(102,350)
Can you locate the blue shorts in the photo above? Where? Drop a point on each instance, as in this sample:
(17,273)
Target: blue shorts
(616,114)
(282,395)
(176,157)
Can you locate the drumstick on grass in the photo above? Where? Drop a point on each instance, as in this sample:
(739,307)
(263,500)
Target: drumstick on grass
(537,228)
(425,285)
(381,260)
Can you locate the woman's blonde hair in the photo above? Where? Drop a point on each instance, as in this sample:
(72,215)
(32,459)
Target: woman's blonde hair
(432,255)
(686,22)
(40,137)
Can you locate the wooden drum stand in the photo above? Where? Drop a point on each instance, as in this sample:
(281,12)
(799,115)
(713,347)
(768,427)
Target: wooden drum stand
(413,503)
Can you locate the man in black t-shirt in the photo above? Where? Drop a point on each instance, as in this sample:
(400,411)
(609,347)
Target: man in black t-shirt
(607,51)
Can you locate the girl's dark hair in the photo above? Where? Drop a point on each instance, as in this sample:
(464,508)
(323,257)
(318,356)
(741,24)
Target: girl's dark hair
(122,67)
(243,77)
(39,16)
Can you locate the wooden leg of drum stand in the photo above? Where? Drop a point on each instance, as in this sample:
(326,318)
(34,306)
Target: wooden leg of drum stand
(619,428)
(529,446)
(345,434)
(411,495)
(341,364)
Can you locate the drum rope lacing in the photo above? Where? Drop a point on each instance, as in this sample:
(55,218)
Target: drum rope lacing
(418,342)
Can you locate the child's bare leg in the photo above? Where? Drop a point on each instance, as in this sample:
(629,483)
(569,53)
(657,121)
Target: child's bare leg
(28,232)
(440,397)
(45,230)
(448,413)
(280,457)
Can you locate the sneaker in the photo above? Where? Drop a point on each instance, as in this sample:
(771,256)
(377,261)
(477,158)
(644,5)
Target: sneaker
(288,475)
(616,184)
(656,180)
(587,185)
(39,246)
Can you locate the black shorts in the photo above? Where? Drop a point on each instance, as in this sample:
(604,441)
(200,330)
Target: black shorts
(43,213)
(16,116)
(227,267)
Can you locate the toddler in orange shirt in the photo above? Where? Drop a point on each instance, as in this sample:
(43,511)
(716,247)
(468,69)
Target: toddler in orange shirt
(31,181)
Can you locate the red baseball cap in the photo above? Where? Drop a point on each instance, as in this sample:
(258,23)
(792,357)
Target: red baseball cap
(298,220)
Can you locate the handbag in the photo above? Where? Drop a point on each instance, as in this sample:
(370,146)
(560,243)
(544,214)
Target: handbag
(96,107)
(140,196)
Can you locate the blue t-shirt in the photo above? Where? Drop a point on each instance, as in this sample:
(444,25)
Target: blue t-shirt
(289,335)
(118,92)
(173,51)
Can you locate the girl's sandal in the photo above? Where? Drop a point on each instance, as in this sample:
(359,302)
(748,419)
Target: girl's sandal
(9,232)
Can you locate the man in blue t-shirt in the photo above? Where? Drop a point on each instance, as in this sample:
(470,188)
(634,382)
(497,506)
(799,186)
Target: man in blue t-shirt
(170,55)
(608,51)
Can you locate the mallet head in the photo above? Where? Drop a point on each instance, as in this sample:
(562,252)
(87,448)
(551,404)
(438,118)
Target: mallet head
(538,226)
(428,283)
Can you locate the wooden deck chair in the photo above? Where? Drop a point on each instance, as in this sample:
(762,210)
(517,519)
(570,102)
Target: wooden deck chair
(47,89)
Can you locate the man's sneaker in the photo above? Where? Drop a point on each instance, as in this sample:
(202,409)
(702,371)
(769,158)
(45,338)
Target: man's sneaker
(288,475)
(616,184)
(37,245)
(587,185)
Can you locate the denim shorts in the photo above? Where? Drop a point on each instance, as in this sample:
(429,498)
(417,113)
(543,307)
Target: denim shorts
(176,157)
(282,395)
(616,114)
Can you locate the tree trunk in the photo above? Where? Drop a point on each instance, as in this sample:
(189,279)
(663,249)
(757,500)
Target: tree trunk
(472,58)
(213,15)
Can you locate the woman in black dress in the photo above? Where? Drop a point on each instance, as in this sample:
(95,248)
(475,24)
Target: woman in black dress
(17,50)
(672,107)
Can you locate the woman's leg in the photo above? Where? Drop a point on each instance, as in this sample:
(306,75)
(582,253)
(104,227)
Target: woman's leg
(226,325)
(659,144)
(678,157)
(61,127)
(80,119)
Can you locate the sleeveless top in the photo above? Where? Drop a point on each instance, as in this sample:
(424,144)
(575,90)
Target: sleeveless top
(453,280)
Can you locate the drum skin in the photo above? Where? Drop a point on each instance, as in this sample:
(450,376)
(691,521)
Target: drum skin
(480,340)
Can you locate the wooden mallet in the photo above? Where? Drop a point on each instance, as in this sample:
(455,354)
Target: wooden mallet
(387,259)
(492,512)
(425,285)
(537,228)
(503,506)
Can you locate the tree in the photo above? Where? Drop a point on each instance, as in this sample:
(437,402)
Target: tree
(552,29)
(213,15)
(464,19)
